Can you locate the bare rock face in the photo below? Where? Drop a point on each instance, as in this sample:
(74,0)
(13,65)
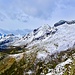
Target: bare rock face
(61,22)
(70,22)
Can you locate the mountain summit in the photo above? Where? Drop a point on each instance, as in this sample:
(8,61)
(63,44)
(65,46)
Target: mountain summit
(61,22)
(38,34)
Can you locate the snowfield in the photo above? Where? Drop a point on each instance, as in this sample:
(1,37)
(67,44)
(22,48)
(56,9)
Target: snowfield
(61,40)
(53,39)
(17,56)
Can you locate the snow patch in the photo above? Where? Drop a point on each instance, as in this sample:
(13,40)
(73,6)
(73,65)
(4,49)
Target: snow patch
(17,56)
(59,69)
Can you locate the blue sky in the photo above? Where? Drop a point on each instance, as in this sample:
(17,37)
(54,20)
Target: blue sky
(30,14)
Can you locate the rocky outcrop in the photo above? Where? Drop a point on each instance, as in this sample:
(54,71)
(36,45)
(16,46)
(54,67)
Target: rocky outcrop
(61,22)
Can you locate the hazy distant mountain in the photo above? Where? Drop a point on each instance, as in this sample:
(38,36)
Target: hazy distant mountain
(15,32)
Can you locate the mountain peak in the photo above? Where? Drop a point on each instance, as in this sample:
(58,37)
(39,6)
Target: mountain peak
(61,22)
(45,26)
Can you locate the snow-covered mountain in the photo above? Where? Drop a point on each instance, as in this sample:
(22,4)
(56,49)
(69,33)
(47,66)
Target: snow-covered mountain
(37,35)
(50,37)
(2,35)
(44,51)
(53,39)
(6,41)
(8,36)
(57,38)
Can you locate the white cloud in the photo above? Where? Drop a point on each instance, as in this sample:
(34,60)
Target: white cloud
(38,8)
(65,10)
(37,11)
